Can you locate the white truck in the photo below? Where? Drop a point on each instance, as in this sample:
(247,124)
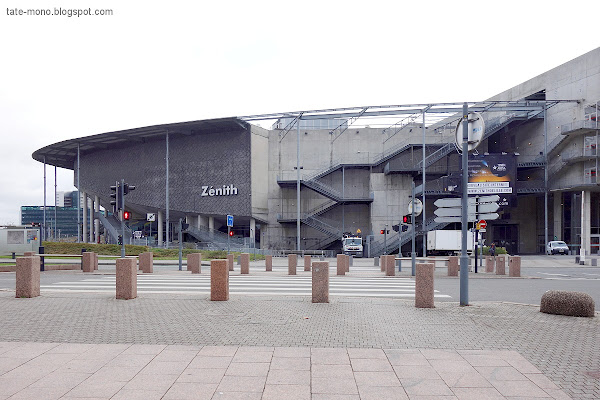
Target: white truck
(448,242)
(352,245)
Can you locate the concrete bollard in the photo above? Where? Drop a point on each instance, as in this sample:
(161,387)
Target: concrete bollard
(376,261)
(147,262)
(219,280)
(489,263)
(514,266)
(390,265)
(500,265)
(126,278)
(27,277)
(194,263)
(230,261)
(341,264)
(268,263)
(424,285)
(95,261)
(245,263)
(307,262)
(594,262)
(29,254)
(320,282)
(88,261)
(348,261)
(382,263)
(453,265)
(292,264)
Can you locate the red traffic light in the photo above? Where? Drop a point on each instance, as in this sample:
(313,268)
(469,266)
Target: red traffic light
(230,233)
(382,231)
(407,219)
(126,215)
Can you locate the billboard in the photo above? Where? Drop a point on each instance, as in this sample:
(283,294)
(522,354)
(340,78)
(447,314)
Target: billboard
(492,174)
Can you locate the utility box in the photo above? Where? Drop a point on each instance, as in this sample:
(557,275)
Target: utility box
(19,239)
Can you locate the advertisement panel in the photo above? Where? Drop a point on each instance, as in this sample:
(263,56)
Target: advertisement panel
(492,174)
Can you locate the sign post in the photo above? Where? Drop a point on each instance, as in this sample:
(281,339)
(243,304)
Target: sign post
(229,226)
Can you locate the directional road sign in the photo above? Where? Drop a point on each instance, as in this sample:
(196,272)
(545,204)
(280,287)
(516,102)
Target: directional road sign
(448,219)
(487,208)
(230,221)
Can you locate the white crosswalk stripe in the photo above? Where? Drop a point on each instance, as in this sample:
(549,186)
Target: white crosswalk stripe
(247,284)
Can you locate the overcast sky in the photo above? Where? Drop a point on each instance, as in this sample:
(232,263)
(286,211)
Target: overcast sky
(157,62)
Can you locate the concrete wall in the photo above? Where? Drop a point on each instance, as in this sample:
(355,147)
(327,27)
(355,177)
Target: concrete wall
(259,148)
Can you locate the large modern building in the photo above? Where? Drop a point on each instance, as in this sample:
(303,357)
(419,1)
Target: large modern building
(317,174)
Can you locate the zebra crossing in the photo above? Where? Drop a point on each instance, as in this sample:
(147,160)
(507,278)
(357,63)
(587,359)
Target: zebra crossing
(395,287)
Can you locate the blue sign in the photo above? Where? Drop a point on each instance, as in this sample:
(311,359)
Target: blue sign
(230,221)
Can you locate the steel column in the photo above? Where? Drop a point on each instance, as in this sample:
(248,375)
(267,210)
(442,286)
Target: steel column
(298,184)
(423,172)
(464,258)
(167,191)
(44,222)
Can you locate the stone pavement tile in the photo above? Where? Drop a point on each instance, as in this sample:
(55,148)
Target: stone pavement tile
(29,350)
(370,365)
(119,374)
(210,362)
(247,369)
(406,357)
(485,361)
(96,388)
(145,349)
(203,375)
(77,348)
(477,394)
(288,392)
(451,365)
(322,396)
(56,360)
(252,349)
(493,374)
(6,346)
(6,363)
(367,353)
(218,351)
(84,398)
(288,377)
(439,354)
(334,386)
(45,393)
(130,360)
(293,352)
(291,363)
(59,379)
(332,371)
(184,347)
(542,381)
(172,355)
(329,356)
(557,394)
(165,367)
(384,378)
(519,389)
(416,372)
(382,392)
(103,351)
(242,384)
(192,391)
(237,395)
(524,366)
(29,373)
(128,394)
(10,385)
(416,397)
(253,356)
(464,378)
(79,365)
(153,382)
(426,387)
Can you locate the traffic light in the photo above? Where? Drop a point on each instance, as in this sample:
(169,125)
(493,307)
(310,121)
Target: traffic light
(120,240)
(126,215)
(396,227)
(230,233)
(407,219)
(115,195)
(127,188)
(384,231)
(404,228)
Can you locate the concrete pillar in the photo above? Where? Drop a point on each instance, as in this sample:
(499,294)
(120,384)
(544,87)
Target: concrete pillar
(92,220)
(88,261)
(219,280)
(292,264)
(586,230)
(96,220)
(424,285)
(489,264)
(126,278)
(147,262)
(160,229)
(252,232)
(320,282)
(202,221)
(500,265)
(453,265)
(514,266)
(307,262)
(341,264)
(84,205)
(194,263)
(268,263)
(27,277)
(557,215)
(245,263)
(230,261)
(390,265)
(211,223)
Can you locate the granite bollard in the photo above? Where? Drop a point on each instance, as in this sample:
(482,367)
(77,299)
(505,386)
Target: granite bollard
(489,263)
(500,265)
(229,261)
(88,261)
(320,282)
(268,263)
(307,262)
(292,264)
(245,263)
(453,266)
(424,285)
(95,261)
(126,278)
(341,264)
(390,265)
(27,277)
(147,262)
(514,266)
(562,302)
(219,280)
(194,263)
(29,254)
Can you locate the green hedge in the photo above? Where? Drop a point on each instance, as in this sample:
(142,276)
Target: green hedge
(499,250)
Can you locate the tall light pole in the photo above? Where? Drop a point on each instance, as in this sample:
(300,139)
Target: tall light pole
(464,258)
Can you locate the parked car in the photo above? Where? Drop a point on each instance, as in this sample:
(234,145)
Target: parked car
(557,247)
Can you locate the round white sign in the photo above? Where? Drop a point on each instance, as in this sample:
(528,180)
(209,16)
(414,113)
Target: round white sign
(418,207)
(476,128)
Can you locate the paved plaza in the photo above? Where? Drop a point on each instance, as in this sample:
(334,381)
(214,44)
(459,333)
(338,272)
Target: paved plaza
(69,344)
